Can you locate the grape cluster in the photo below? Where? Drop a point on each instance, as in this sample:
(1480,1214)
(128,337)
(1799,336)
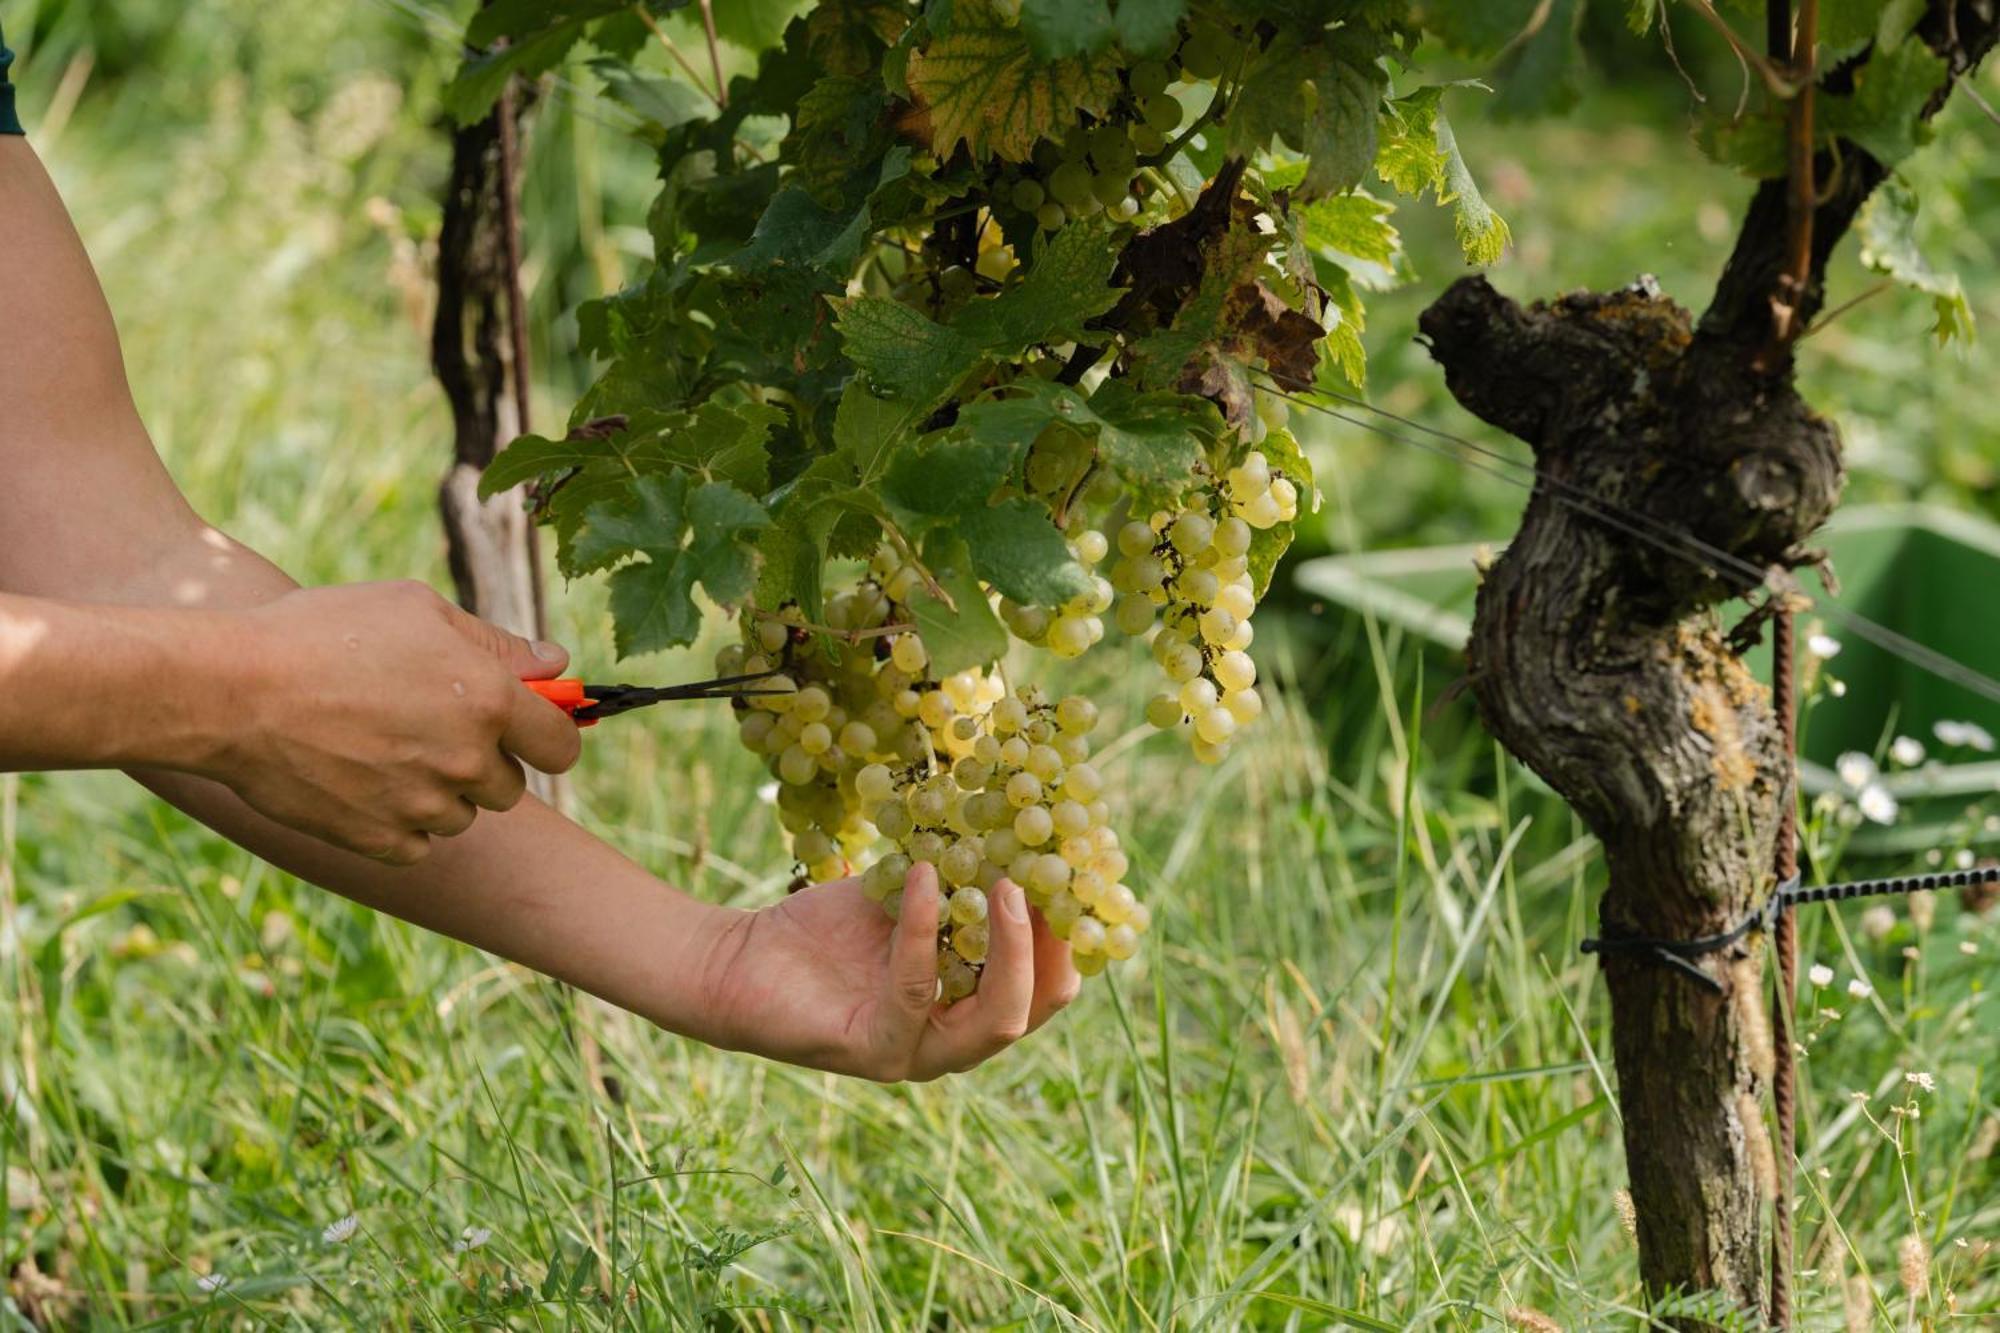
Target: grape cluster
(1188,570)
(1009,791)
(868,745)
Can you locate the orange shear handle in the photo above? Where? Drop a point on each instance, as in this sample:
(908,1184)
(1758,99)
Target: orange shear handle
(567,694)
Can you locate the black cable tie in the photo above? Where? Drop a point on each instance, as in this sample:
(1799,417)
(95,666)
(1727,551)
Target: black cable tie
(1678,954)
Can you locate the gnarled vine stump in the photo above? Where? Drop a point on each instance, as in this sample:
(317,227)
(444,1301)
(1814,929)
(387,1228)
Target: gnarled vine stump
(1598,658)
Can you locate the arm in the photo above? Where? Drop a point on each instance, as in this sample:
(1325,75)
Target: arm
(91,515)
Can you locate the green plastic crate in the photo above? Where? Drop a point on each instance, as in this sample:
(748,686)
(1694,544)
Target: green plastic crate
(1922,570)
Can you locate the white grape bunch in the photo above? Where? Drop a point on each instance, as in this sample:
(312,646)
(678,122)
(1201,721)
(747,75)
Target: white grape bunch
(868,747)
(1188,569)
(1008,791)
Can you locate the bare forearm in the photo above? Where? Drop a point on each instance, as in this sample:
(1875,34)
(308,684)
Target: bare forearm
(84,686)
(528,885)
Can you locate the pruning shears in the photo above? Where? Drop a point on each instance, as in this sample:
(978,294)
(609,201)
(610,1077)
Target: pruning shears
(588,705)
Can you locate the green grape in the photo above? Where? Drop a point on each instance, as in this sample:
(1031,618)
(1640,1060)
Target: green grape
(1069,185)
(1149,77)
(1028,195)
(1023,790)
(1050,216)
(970,942)
(1033,825)
(1147,141)
(1048,471)
(1077,714)
(1107,142)
(1163,113)
(967,906)
(1112,188)
(957,283)
(1205,54)
(1164,712)
(1075,143)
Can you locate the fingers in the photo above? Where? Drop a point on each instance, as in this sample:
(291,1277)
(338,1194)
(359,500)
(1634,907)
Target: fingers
(540,734)
(500,785)
(1056,978)
(912,979)
(997,1014)
(455,819)
(525,659)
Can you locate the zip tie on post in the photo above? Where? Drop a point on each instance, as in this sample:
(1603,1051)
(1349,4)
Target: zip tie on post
(1680,953)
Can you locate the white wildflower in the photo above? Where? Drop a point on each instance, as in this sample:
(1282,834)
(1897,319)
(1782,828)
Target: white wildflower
(471,1239)
(1968,734)
(1837,688)
(1856,770)
(341,1230)
(1820,975)
(1823,646)
(1860,989)
(1964,859)
(768,793)
(1918,1079)
(1907,751)
(1877,805)
(212,1281)
(1967,947)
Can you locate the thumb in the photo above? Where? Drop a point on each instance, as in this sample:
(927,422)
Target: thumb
(913,948)
(526,659)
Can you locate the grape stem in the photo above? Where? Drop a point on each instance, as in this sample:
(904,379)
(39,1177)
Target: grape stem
(931,585)
(846,635)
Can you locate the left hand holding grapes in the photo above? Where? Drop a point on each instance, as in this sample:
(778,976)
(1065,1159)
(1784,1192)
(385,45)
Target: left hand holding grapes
(825,979)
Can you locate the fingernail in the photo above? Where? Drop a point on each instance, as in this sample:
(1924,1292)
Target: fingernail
(548,652)
(1013,902)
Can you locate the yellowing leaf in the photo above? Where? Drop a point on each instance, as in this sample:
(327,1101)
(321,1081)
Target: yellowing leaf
(984,88)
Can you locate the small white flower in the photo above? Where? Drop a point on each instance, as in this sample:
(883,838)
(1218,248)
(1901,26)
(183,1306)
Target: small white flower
(471,1239)
(1823,646)
(1860,989)
(341,1230)
(212,1281)
(1878,921)
(1877,804)
(1907,751)
(1967,947)
(1964,859)
(1820,975)
(768,793)
(1856,770)
(1968,734)
(1837,688)
(1924,1081)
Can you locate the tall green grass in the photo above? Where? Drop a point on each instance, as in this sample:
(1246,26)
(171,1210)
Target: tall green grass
(1360,1078)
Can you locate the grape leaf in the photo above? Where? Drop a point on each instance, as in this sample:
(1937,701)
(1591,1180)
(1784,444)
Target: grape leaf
(1148,27)
(1482,233)
(1885,114)
(1480,29)
(1058,29)
(720,442)
(952,473)
(661,103)
(902,352)
(1545,73)
(1321,98)
(1152,440)
(687,534)
(1409,158)
(906,355)
(1889,245)
(983,86)
(538,33)
(1019,551)
(1355,225)
(964,633)
(1346,321)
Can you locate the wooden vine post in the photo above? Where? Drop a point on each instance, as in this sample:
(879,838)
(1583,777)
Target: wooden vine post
(479,352)
(1600,663)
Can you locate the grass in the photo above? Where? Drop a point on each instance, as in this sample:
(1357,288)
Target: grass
(1361,1079)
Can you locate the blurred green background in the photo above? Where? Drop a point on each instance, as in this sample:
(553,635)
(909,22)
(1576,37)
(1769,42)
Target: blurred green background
(1362,1077)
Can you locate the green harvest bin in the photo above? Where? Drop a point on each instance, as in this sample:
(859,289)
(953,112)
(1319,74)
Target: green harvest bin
(1927,572)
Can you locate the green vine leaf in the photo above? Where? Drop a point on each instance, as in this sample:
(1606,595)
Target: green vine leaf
(687,535)
(1018,550)
(964,632)
(1321,98)
(1888,227)
(984,87)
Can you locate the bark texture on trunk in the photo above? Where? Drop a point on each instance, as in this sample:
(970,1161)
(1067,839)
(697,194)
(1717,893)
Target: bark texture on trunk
(1599,661)
(487,541)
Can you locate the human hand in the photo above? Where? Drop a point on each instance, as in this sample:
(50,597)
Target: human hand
(827,980)
(377,716)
